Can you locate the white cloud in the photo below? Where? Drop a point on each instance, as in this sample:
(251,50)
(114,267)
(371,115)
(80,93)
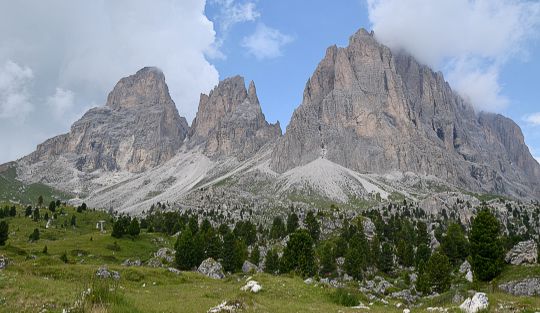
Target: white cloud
(14,90)
(61,102)
(231,12)
(84,47)
(533,119)
(266,42)
(470,39)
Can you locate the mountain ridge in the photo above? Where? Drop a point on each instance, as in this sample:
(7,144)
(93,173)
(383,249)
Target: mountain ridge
(371,124)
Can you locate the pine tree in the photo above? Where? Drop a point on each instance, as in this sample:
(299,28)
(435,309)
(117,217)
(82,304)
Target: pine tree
(327,259)
(298,255)
(487,252)
(375,251)
(423,252)
(437,272)
(52,206)
(73,221)
(255,256)
(313,226)
(386,262)
(212,244)
(271,264)
(187,255)
(292,223)
(356,259)
(134,228)
(13,211)
(232,253)
(278,230)
(34,236)
(35,215)
(405,252)
(28,211)
(455,245)
(4,232)
(40,201)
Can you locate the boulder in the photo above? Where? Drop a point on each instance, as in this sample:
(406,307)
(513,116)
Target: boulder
(211,268)
(165,254)
(523,252)
(252,286)
(129,262)
(104,273)
(3,262)
(174,270)
(249,267)
(477,303)
(526,287)
(466,269)
(226,307)
(369,228)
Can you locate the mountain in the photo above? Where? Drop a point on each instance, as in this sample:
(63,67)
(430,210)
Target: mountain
(138,128)
(374,126)
(374,111)
(230,121)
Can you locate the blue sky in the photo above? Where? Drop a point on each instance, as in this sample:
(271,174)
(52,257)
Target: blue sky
(312,26)
(489,51)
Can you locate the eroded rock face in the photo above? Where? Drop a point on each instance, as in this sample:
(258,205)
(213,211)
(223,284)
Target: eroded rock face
(526,287)
(374,111)
(230,122)
(523,252)
(139,128)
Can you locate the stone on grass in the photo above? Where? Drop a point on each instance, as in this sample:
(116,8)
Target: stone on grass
(252,286)
(477,303)
(249,267)
(526,287)
(104,273)
(226,307)
(129,262)
(211,268)
(174,270)
(3,262)
(523,252)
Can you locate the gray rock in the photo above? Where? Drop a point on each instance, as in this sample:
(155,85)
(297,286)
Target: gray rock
(129,262)
(139,128)
(249,267)
(211,268)
(230,121)
(165,254)
(404,295)
(465,267)
(104,273)
(526,287)
(477,303)
(523,252)
(3,262)
(369,228)
(174,270)
(375,111)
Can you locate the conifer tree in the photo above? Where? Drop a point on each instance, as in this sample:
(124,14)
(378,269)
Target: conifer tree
(271,264)
(487,252)
(4,232)
(298,255)
(292,223)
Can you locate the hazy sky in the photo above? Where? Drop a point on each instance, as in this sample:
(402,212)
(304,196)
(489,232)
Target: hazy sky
(60,57)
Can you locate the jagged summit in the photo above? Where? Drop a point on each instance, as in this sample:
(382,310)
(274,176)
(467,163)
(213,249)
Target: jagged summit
(230,121)
(374,111)
(137,129)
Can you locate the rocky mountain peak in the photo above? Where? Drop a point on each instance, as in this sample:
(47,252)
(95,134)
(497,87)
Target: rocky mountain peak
(375,111)
(138,128)
(145,88)
(230,121)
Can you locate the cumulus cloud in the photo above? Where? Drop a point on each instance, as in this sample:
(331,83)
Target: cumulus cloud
(15,83)
(469,39)
(533,119)
(66,55)
(266,42)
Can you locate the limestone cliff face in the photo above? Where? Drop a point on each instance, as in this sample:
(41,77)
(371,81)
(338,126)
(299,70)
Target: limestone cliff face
(230,121)
(374,112)
(137,129)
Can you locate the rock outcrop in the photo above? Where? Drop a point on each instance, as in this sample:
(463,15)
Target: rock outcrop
(211,268)
(523,252)
(527,287)
(139,128)
(374,111)
(230,121)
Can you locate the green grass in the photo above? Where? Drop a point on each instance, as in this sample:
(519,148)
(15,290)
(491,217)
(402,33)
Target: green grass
(14,190)
(34,281)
